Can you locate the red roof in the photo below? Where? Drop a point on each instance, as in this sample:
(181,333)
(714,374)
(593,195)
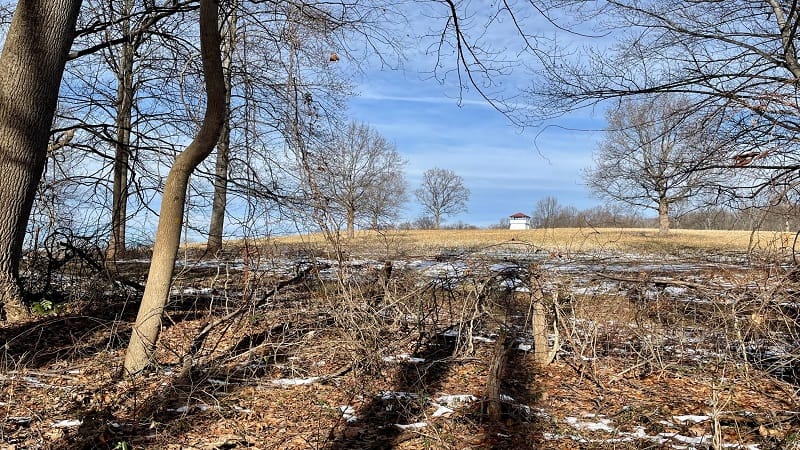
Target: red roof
(519,215)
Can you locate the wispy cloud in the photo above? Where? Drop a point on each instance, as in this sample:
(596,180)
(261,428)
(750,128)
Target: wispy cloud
(435,122)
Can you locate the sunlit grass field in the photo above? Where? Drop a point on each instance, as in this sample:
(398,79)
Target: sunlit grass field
(564,240)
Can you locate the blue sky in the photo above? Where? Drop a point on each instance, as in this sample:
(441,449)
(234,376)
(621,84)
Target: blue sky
(507,169)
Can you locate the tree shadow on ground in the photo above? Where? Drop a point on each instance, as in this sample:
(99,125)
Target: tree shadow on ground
(521,423)
(98,326)
(377,423)
(173,404)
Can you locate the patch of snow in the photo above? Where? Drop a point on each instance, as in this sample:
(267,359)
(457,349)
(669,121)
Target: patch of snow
(525,347)
(482,339)
(403,357)
(348,413)
(19,420)
(32,380)
(675,290)
(391,395)
(602,424)
(218,382)
(455,400)
(442,411)
(687,439)
(412,426)
(67,423)
(672,440)
(514,284)
(691,418)
(294,381)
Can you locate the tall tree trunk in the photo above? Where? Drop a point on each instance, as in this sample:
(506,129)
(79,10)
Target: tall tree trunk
(148,321)
(351,222)
(125,93)
(436,218)
(223,146)
(31,68)
(663,216)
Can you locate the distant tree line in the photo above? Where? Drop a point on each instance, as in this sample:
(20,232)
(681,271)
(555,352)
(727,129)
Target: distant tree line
(779,216)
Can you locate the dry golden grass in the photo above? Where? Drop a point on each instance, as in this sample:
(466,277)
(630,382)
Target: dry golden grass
(565,240)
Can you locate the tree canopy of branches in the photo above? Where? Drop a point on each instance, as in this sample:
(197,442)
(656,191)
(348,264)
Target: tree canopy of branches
(442,193)
(652,156)
(545,212)
(739,61)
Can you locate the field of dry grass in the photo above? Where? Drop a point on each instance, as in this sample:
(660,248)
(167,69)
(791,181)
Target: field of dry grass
(564,240)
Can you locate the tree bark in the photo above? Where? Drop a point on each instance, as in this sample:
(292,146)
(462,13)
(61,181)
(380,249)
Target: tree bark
(31,68)
(220,201)
(663,216)
(220,192)
(148,321)
(125,93)
(502,350)
(351,223)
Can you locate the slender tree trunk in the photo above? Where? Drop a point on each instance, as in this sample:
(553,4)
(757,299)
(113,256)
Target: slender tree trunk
(220,192)
(148,321)
(125,93)
(351,223)
(31,68)
(223,146)
(436,221)
(663,216)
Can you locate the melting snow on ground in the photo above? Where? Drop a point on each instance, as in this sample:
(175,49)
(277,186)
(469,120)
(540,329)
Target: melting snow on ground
(599,423)
(348,413)
(67,423)
(411,426)
(294,381)
(403,357)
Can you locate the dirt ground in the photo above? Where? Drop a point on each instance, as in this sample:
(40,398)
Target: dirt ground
(650,353)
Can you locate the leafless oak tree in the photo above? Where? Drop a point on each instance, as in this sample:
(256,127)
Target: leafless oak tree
(442,193)
(654,155)
(545,212)
(360,175)
(738,61)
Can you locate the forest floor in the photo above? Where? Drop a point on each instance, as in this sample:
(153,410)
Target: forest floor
(683,350)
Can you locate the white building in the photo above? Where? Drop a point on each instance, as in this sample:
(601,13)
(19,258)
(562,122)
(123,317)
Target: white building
(519,221)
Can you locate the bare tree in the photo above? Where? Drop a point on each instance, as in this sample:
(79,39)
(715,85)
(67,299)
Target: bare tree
(442,193)
(385,200)
(283,87)
(125,103)
(124,40)
(652,155)
(148,320)
(223,146)
(546,212)
(740,61)
(360,175)
(31,68)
